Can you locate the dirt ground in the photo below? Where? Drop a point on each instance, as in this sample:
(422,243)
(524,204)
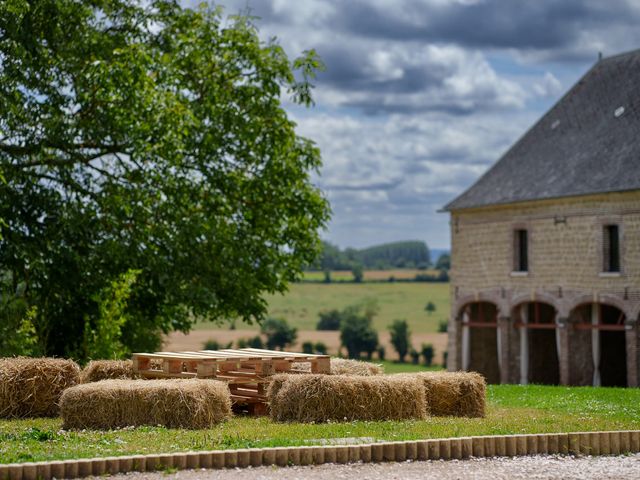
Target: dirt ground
(195,340)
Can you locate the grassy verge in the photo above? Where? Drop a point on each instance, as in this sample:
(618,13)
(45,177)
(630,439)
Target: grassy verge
(394,367)
(511,410)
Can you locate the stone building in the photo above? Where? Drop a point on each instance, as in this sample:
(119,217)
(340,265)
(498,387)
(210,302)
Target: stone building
(545,279)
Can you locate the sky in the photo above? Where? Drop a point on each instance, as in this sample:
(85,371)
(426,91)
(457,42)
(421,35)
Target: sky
(420,97)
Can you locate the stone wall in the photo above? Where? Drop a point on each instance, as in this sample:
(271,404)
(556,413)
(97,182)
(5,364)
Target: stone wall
(565,257)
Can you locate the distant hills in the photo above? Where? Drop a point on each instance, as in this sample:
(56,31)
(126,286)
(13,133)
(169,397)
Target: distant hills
(407,254)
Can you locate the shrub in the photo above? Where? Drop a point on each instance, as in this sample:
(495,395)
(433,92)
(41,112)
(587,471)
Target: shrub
(427,353)
(381,352)
(307,347)
(400,335)
(329,320)
(320,348)
(279,333)
(357,334)
(443,326)
(415,356)
(213,344)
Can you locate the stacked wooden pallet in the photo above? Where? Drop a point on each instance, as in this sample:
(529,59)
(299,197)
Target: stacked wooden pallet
(246,370)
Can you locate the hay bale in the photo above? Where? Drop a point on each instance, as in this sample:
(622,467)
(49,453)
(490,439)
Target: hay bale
(320,398)
(98,370)
(174,403)
(343,366)
(457,394)
(31,387)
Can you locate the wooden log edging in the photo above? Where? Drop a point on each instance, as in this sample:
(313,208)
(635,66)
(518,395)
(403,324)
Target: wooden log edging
(574,443)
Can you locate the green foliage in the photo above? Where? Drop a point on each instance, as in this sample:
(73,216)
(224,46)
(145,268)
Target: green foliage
(358,273)
(17,330)
(141,135)
(320,348)
(213,344)
(279,333)
(307,347)
(327,276)
(381,352)
(415,356)
(430,307)
(380,257)
(329,320)
(103,334)
(400,337)
(444,262)
(443,326)
(357,334)
(428,352)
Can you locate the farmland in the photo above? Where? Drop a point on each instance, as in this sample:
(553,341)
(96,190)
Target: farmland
(301,305)
(304,301)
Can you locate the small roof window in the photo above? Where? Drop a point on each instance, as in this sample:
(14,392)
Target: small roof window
(618,112)
(555,124)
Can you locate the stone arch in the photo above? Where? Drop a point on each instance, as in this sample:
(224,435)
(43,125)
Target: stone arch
(606,299)
(489,297)
(599,353)
(539,343)
(479,338)
(542,298)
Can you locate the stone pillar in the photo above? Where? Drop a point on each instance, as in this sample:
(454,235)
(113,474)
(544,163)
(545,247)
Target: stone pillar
(524,345)
(505,332)
(562,335)
(454,358)
(632,337)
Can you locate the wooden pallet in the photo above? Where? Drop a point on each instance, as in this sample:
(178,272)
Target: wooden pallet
(246,370)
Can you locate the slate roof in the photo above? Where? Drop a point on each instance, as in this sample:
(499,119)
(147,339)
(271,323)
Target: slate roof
(581,146)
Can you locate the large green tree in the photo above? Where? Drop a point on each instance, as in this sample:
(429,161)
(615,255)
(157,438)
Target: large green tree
(144,136)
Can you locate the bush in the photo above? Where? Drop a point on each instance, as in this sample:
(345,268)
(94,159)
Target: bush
(356,332)
(212,344)
(428,353)
(381,352)
(307,347)
(430,307)
(320,348)
(443,326)
(415,356)
(400,335)
(329,320)
(279,333)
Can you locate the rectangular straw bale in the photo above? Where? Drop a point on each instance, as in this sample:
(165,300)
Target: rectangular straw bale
(344,366)
(458,394)
(319,398)
(174,403)
(31,387)
(98,370)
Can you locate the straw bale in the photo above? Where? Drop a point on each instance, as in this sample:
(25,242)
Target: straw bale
(98,370)
(320,398)
(174,403)
(31,387)
(343,366)
(458,394)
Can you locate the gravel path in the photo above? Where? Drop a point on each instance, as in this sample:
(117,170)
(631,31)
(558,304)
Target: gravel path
(538,467)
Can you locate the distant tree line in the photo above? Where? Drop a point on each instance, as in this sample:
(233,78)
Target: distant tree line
(410,254)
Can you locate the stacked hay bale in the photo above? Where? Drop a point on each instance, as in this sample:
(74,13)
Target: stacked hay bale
(457,394)
(174,403)
(98,370)
(321,398)
(31,387)
(343,366)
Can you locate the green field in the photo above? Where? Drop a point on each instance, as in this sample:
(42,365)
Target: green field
(512,409)
(301,305)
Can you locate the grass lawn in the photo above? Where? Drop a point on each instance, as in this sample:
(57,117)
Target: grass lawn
(395,367)
(301,305)
(512,409)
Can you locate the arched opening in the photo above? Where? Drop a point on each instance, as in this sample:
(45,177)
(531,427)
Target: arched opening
(480,348)
(539,343)
(600,342)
